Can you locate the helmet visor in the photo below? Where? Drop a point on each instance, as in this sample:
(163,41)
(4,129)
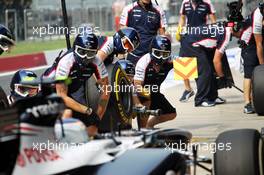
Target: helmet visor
(26,90)
(85,53)
(127,45)
(161,54)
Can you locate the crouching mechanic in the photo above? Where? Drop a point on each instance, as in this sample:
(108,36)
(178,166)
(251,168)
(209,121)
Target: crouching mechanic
(151,70)
(124,41)
(20,91)
(79,64)
(17,90)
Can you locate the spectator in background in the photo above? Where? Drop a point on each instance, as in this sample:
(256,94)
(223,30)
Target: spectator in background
(148,19)
(117,7)
(193,13)
(165,5)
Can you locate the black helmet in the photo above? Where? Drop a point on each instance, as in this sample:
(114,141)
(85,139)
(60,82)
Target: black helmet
(160,49)
(126,40)
(86,46)
(235,16)
(18,90)
(235,11)
(197,1)
(127,66)
(6,39)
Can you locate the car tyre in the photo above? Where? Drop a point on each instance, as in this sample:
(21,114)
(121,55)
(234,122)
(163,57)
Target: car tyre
(119,111)
(243,157)
(258,89)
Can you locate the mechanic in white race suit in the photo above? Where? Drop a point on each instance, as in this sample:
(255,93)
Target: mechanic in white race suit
(79,64)
(251,43)
(151,70)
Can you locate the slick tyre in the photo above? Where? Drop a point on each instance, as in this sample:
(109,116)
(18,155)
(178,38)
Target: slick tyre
(3,99)
(258,89)
(120,106)
(238,152)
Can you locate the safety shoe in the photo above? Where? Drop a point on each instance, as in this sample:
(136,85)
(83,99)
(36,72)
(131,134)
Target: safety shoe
(186,95)
(248,109)
(219,101)
(207,104)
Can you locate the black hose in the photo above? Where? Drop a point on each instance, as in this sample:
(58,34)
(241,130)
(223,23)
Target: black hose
(66,24)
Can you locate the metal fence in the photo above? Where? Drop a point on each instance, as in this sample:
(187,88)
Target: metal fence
(25,25)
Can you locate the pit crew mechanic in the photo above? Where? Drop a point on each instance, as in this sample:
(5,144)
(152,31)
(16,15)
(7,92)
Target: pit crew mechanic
(193,13)
(79,64)
(152,70)
(124,41)
(6,39)
(206,46)
(251,43)
(148,19)
(17,90)
(21,91)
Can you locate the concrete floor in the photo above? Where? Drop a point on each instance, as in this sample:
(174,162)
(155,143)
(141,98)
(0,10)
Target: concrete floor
(206,123)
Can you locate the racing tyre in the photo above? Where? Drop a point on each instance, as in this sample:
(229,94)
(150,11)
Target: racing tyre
(237,152)
(3,99)
(258,89)
(120,106)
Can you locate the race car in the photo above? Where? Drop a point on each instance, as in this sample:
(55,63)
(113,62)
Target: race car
(28,144)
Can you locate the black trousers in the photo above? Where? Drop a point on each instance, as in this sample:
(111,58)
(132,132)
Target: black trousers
(250,57)
(206,81)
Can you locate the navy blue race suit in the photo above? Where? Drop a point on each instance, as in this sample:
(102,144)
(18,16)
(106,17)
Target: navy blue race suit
(203,46)
(147,22)
(199,15)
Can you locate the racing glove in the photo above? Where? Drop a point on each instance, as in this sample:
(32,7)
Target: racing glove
(178,33)
(223,82)
(94,119)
